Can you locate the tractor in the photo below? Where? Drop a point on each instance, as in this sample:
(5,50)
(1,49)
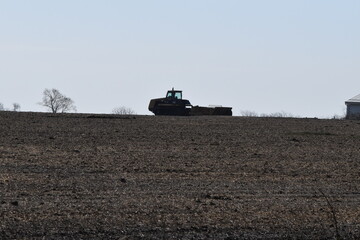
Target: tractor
(171,104)
(174,104)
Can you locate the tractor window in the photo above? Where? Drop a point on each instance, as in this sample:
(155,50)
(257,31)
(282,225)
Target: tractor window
(178,95)
(173,94)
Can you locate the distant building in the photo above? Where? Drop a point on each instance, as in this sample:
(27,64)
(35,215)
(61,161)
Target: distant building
(353,107)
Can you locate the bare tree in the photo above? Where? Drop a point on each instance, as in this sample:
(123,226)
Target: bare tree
(16,107)
(2,107)
(281,114)
(57,102)
(123,111)
(248,113)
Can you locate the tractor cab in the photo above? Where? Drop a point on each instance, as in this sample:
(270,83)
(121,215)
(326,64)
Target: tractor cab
(174,94)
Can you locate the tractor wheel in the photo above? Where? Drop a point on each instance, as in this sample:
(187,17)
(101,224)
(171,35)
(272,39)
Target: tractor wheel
(156,111)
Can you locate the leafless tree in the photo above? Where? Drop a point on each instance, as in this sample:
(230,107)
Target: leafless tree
(248,113)
(16,107)
(2,107)
(123,111)
(281,114)
(56,102)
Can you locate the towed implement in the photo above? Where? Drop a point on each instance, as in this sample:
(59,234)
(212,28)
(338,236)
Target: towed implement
(174,104)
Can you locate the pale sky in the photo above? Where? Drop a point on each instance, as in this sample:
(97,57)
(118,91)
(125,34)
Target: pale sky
(300,56)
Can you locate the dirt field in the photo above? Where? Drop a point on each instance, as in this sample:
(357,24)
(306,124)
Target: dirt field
(146,177)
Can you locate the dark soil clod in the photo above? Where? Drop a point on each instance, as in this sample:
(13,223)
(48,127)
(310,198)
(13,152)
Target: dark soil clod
(123,180)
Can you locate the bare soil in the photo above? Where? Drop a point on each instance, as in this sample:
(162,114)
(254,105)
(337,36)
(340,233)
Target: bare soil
(82,176)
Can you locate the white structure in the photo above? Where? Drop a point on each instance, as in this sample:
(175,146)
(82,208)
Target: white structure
(353,107)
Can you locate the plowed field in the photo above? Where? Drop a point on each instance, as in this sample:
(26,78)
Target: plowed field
(82,176)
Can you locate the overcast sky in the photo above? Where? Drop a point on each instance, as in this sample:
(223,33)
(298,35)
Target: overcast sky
(301,56)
